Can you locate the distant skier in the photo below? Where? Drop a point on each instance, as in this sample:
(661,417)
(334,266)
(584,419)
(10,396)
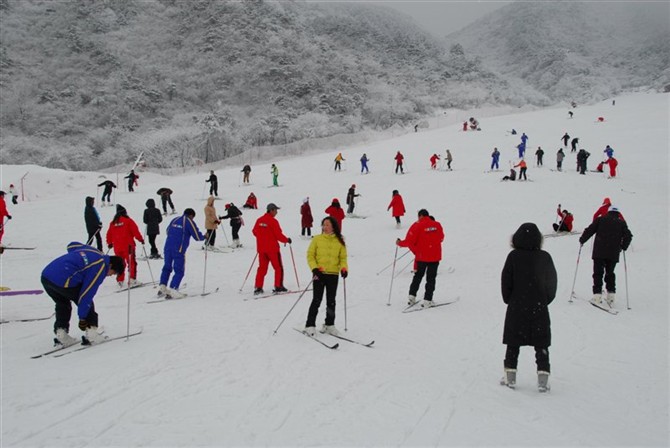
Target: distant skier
(246,170)
(613,163)
(449,160)
(465,126)
(252,202)
(524,139)
(335,210)
(573,144)
(166,198)
(152,218)
(398,162)
(511,176)
(433,161)
(121,236)
(397,207)
(566,139)
(338,162)
(539,154)
(521,147)
(275,175)
(236,222)
(560,155)
(522,169)
(351,199)
(107,192)
(93,223)
(570,113)
(604,209)
(474,124)
(495,159)
(364,164)
(213,184)
(13,193)
(582,157)
(306,219)
(565,224)
(608,151)
(132,178)
(211,224)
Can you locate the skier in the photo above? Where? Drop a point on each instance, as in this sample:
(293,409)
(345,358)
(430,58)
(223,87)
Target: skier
(613,163)
(608,151)
(76,277)
(236,222)
(306,218)
(433,161)
(13,194)
(513,131)
(521,147)
(424,239)
(152,218)
(539,154)
(528,285)
(511,176)
(166,198)
(449,160)
(351,201)
(268,235)
(338,162)
(132,178)
(495,158)
(398,207)
(573,144)
(465,126)
(566,221)
(566,139)
(474,124)
(121,236)
(326,257)
(246,170)
(335,210)
(107,192)
(582,156)
(599,167)
(612,236)
(364,164)
(570,113)
(275,175)
(398,163)
(3,213)
(179,233)
(604,208)
(211,224)
(213,184)
(522,169)
(524,139)
(560,155)
(93,223)
(252,202)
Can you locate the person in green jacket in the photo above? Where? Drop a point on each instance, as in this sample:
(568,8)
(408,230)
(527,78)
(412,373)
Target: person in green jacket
(327,257)
(275,175)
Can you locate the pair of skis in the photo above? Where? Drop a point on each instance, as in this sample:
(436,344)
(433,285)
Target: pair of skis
(417,307)
(61,350)
(336,345)
(602,307)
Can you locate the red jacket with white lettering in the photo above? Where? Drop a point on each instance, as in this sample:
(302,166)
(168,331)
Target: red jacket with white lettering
(424,238)
(123,233)
(268,234)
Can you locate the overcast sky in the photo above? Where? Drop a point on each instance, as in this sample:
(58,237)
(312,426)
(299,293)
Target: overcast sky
(442,17)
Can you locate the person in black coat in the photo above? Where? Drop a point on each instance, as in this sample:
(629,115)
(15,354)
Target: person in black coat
(107,192)
(213,184)
(93,223)
(528,284)
(166,198)
(132,177)
(612,236)
(152,218)
(235,215)
(582,156)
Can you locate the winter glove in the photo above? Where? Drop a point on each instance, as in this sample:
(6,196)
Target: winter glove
(317,274)
(9,216)
(344,273)
(109,246)
(397,241)
(290,241)
(83,325)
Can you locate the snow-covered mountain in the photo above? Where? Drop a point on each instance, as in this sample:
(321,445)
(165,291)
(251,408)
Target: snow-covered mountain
(208,371)
(575,50)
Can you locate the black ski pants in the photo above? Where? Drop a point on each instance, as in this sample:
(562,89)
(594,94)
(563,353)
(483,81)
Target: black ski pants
(429,269)
(210,237)
(306,230)
(604,267)
(62,298)
(107,194)
(152,243)
(214,189)
(235,226)
(328,283)
(165,200)
(98,239)
(541,358)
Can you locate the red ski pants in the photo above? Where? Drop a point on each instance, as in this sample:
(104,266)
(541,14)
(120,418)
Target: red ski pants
(128,256)
(265,258)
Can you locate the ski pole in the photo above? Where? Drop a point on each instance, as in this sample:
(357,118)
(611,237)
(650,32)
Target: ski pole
(625,268)
(395,258)
(391,263)
(223,230)
(149,265)
(90,240)
(249,271)
(405,267)
(294,268)
(204,273)
(294,305)
(130,256)
(574,281)
(344,290)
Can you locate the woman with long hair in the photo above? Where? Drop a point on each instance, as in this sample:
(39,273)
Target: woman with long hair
(327,258)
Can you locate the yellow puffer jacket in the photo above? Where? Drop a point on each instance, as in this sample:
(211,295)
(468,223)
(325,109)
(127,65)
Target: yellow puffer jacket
(327,253)
(211,220)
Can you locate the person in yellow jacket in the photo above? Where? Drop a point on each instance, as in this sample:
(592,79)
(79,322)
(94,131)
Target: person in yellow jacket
(338,162)
(327,257)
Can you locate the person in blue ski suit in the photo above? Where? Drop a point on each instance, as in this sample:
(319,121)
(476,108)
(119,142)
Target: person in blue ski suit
(179,234)
(364,164)
(609,151)
(495,158)
(524,139)
(76,277)
(522,149)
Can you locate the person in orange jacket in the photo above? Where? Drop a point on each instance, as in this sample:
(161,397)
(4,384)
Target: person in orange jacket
(398,207)
(335,210)
(424,238)
(121,236)
(566,221)
(522,169)
(268,235)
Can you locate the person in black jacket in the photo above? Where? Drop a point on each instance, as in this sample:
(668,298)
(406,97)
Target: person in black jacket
(152,218)
(612,236)
(528,286)
(351,201)
(132,177)
(213,184)
(107,192)
(582,156)
(166,198)
(235,215)
(93,223)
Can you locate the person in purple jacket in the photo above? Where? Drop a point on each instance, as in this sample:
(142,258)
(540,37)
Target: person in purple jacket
(76,277)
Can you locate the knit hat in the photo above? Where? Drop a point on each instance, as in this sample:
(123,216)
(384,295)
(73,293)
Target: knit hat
(336,200)
(120,209)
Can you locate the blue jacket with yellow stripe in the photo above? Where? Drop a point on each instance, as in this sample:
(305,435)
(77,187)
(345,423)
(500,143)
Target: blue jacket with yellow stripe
(179,234)
(84,267)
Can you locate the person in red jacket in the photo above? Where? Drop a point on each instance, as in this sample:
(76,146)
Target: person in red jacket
(522,169)
(433,161)
(566,221)
(424,238)
(613,163)
(306,219)
(268,235)
(398,162)
(121,236)
(335,210)
(3,213)
(602,211)
(252,202)
(398,207)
